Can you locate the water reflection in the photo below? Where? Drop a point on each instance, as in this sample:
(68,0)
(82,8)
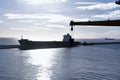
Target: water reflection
(45,59)
(78,63)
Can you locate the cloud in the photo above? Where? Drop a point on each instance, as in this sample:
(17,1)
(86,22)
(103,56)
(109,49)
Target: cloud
(24,16)
(113,14)
(29,28)
(46,17)
(22,29)
(39,28)
(27,21)
(100,6)
(55,26)
(84,19)
(86,3)
(1,21)
(37,2)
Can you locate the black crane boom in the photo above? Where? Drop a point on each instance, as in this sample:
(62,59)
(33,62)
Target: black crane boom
(96,23)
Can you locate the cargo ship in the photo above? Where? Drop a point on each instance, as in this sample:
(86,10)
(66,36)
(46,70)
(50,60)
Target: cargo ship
(68,41)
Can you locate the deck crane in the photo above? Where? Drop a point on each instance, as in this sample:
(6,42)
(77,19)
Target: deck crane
(118,2)
(97,23)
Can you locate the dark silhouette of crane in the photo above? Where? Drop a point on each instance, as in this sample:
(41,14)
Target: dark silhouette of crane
(118,2)
(97,23)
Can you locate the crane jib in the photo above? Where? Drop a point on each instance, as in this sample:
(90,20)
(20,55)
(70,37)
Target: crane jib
(96,23)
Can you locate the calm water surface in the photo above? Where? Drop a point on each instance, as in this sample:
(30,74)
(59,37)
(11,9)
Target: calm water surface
(99,62)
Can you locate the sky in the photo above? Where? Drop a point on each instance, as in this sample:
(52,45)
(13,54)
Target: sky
(49,19)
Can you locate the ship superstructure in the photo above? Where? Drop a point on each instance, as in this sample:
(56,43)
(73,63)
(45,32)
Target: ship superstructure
(68,41)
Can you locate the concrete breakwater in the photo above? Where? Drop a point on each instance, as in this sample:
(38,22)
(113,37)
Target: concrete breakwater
(9,46)
(98,43)
(83,43)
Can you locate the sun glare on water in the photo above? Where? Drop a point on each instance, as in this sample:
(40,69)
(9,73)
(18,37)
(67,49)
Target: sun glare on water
(44,59)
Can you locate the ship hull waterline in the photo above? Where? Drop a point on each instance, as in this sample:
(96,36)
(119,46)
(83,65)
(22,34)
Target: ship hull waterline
(26,45)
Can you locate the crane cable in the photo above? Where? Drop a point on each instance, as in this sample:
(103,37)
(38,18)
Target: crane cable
(71,31)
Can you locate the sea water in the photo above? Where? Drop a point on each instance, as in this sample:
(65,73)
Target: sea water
(97,62)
